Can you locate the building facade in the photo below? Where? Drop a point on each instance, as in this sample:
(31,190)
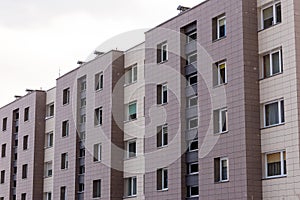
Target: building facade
(206,108)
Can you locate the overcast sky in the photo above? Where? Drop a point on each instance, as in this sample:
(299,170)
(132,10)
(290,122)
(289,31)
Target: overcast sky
(39,38)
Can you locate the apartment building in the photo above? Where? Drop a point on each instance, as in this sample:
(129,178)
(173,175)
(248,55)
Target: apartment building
(206,108)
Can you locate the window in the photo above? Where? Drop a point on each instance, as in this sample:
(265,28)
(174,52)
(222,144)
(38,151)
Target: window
(48,196)
(83,85)
(271,15)
(275,164)
(193,168)
(26,114)
(1,198)
(96,188)
(63,193)
(66,96)
(219,27)
(221,169)
(193,123)
(132,114)
(50,110)
(82,119)
(193,80)
(24,171)
(2,177)
(82,169)
(162,94)
(193,191)
(15,170)
(272,63)
(131,75)
(219,73)
(193,145)
(65,128)
(81,153)
(220,121)
(82,135)
(49,140)
(99,81)
(192,101)
(162,179)
(191,36)
(3,152)
(64,161)
(131,149)
(81,187)
(16,143)
(48,169)
(274,113)
(97,152)
(130,186)
(162,136)
(4,124)
(82,102)
(23,196)
(162,52)
(192,58)
(98,116)
(25,142)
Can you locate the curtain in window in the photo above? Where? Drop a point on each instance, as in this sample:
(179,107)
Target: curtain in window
(268,17)
(276,63)
(272,114)
(274,164)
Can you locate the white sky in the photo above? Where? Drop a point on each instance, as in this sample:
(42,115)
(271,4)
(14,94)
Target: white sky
(37,38)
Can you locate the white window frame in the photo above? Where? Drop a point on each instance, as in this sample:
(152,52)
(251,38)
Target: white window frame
(189,79)
(47,197)
(128,114)
(48,136)
(190,191)
(164,86)
(190,142)
(189,39)
(163,171)
(83,119)
(67,93)
(271,62)
(83,85)
(189,101)
(274,14)
(189,58)
(99,153)
(190,167)
(219,73)
(66,164)
(278,101)
(130,71)
(127,146)
(189,123)
(98,83)
(98,121)
(163,127)
(218,27)
(83,103)
(48,110)
(221,122)
(221,173)
(67,128)
(281,164)
(164,47)
(47,169)
(131,179)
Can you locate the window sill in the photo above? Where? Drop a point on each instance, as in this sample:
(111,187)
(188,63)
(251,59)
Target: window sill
(131,120)
(192,174)
(221,133)
(274,75)
(47,177)
(219,182)
(163,190)
(64,136)
(65,104)
(162,104)
(99,90)
(162,62)
(97,162)
(97,125)
(131,158)
(218,39)
(190,151)
(162,147)
(128,84)
(48,147)
(130,197)
(220,85)
(49,117)
(65,169)
(272,126)
(274,177)
(261,30)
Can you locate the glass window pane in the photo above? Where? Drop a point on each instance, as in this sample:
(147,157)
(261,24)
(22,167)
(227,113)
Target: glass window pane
(193,101)
(276,62)
(271,114)
(268,17)
(267,71)
(278,13)
(273,164)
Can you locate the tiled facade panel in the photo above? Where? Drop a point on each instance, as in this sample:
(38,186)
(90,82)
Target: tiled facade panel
(65,177)
(33,156)
(285,85)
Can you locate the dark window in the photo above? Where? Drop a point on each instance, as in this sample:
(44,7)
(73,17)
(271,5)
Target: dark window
(66,96)
(23,196)
(162,52)
(96,188)
(193,168)
(63,193)
(25,142)
(132,111)
(99,81)
(219,27)
(276,164)
(162,94)
(130,186)
(81,153)
(193,191)
(193,145)
(2,178)
(82,169)
(64,161)
(81,187)
(3,152)
(97,152)
(221,169)
(50,110)
(131,149)
(162,179)
(272,63)
(24,171)
(220,121)
(65,128)
(4,124)
(162,136)
(274,113)
(193,80)
(98,116)
(271,15)
(26,114)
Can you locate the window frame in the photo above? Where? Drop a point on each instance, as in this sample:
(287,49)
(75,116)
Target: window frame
(164,48)
(65,130)
(4,124)
(270,55)
(189,123)
(218,27)
(189,80)
(98,116)
(49,139)
(66,96)
(220,122)
(221,171)
(64,161)
(132,180)
(132,78)
(25,142)
(48,169)
(97,193)
(24,171)
(164,186)
(128,154)
(49,112)
(189,58)
(3,150)
(99,81)
(275,22)
(189,38)
(26,114)
(190,168)
(278,101)
(129,118)
(99,152)
(2,177)
(161,130)
(189,147)
(189,101)
(190,192)
(281,164)
(219,78)
(63,193)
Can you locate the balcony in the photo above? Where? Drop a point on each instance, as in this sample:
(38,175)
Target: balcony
(191,47)
(192,180)
(191,69)
(191,112)
(191,90)
(191,156)
(191,134)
